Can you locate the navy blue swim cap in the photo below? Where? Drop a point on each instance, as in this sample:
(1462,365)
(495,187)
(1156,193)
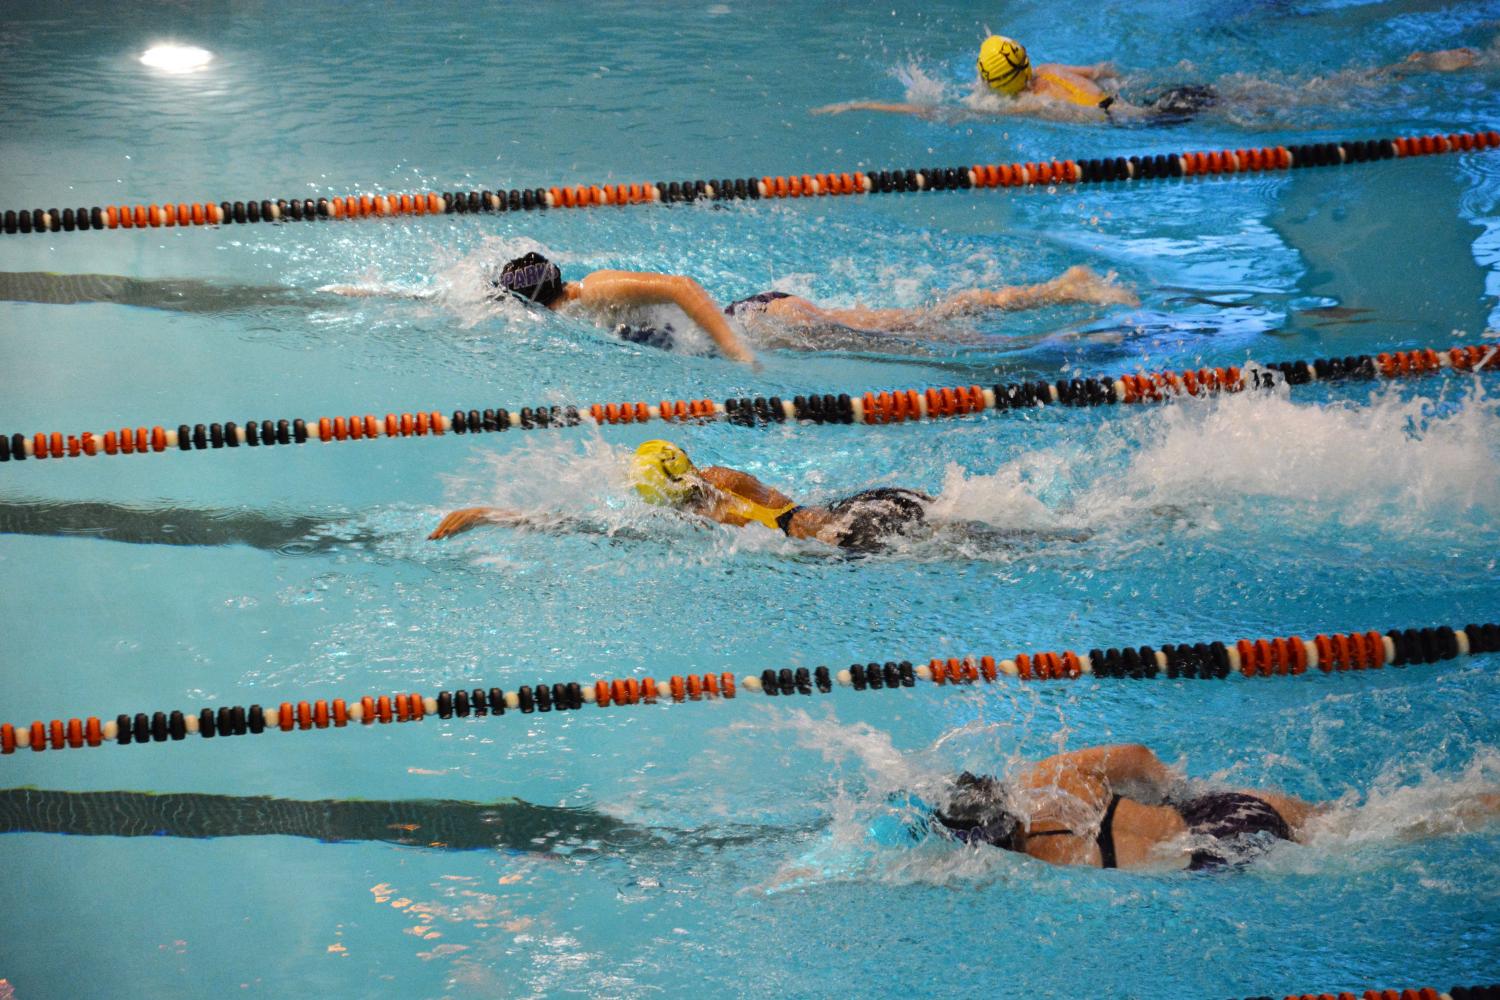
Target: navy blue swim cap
(532,277)
(976,813)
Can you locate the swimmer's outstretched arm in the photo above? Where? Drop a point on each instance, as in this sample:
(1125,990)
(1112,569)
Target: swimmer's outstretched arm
(891,106)
(936,111)
(378,292)
(459,521)
(643,288)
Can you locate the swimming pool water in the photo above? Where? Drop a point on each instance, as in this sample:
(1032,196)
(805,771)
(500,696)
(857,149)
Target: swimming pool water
(1320,508)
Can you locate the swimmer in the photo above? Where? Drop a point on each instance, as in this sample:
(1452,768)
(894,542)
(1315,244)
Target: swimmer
(1075,285)
(1121,807)
(1068,810)
(607,293)
(1009,83)
(606,296)
(663,475)
(1110,807)
(863,522)
(1090,826)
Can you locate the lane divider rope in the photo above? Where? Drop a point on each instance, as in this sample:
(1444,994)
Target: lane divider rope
(966,177)
(1280,656)
(883,407)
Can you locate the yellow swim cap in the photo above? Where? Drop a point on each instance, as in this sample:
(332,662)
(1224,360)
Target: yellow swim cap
(661,473)
(1003,65)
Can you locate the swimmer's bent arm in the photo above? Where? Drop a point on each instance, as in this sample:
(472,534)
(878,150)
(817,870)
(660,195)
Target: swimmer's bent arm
(1124,763)
(459,521)
(745,485)
(642,288)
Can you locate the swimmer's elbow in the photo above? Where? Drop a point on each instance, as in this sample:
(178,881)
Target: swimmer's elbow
(1133,760)
(686,285)
(688,294)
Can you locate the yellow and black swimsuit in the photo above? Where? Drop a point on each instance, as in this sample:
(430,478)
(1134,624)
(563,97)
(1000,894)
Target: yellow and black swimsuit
(775,518)
(1075,94)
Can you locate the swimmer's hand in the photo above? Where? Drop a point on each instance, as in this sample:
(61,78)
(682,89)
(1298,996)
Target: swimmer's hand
(460,521)
(744,356)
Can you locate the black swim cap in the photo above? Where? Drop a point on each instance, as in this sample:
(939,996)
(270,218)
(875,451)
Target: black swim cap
(976,814)
(532,277)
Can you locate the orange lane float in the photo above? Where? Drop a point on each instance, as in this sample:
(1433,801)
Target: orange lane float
(1264,657)
(886,406)
(978,176)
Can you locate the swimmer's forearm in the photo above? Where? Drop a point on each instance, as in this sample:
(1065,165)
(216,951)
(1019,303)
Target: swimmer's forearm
(377,292)
(690,297)
(716,326)
(887,106)
(459,521)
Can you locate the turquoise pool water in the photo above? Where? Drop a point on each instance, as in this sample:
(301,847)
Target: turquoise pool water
(1320,508)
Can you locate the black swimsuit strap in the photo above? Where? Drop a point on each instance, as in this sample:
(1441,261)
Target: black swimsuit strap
(1106,836)
(784,519)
